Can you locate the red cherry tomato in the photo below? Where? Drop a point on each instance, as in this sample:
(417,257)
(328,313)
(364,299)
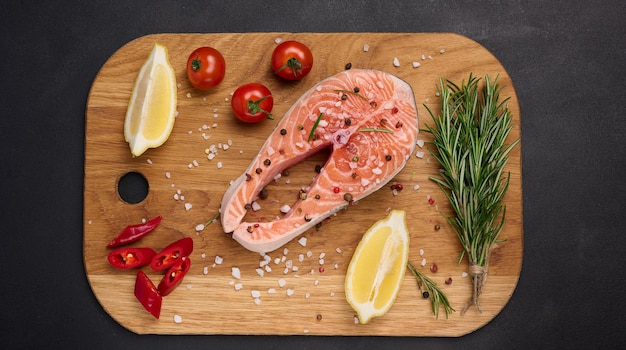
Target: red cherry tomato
(205,68)
(252,103)
(292,60)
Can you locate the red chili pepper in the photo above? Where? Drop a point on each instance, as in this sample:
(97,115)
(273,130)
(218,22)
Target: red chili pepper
(147,294)
(171,254)
(133,233)
(174,276)
(128,258)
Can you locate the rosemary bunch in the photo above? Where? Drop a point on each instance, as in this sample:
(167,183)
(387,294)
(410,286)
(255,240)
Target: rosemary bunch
(469,140)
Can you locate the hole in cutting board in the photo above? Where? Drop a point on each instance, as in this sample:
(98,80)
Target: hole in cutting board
(133,187)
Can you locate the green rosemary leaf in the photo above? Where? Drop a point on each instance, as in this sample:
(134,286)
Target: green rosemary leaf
(317,122)
(376,130)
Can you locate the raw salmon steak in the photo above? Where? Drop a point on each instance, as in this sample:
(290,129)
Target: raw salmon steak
(367,119)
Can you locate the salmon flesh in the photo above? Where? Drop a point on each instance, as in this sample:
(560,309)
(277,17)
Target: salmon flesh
(366,118)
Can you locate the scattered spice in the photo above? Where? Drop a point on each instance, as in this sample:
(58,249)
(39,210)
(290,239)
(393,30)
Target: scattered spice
(248,177)
(258,170)
(425,294)
(437,227)
(399,125)
(321,269)
(307,217)
(348,65)
(438,299)
(319,316)
(383,122)
(397,187)
(348,121)
(394,110)
(267,162)
(344,97)
(283,132)
(449,280)
(264,193)
(434,268)
(388,157)
(374,104)
(347,197)
(353,92)
(318,168)
(336,189)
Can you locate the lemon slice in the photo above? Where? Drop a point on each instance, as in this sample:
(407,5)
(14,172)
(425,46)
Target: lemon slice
(377,267)
(152,107)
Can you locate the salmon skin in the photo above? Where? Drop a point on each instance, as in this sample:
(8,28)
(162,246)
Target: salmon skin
(366,118)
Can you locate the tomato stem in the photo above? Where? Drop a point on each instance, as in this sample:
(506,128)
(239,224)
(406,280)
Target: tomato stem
(196,64)
(294,64)
(254,107)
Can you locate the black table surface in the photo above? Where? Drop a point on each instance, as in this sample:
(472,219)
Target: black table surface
(567,62)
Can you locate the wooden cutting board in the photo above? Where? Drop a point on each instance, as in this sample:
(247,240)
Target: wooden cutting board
(207,301)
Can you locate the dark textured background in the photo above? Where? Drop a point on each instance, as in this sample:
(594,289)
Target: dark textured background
(567,62)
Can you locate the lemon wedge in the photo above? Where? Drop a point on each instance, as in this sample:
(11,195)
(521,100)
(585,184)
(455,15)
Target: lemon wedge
(152,106)
(377,267)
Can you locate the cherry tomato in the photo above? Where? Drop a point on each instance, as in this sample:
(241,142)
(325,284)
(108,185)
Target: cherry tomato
(292,60)
(205,68)
(252,103)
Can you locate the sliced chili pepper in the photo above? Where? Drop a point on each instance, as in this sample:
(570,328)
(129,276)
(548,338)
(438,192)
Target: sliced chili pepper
(147,294)
(133,233)
(128,258)
(171,254)
(174,276)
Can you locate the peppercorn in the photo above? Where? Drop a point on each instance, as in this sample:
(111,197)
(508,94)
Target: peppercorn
(434,268)
(283,132)
(347,197)
(437,227)
(348,65)
(348,121)
(258,170)
(399,124)
(356,90)
(248,206)
(374,104)
(394,110)
(267,162)
(344,97)
(387,157)
(425,295)
(317,196)
(449,280)
(248,177)
(307,217)
(250,229)
(318,168)
(383,122)
(319,316)
(263,194)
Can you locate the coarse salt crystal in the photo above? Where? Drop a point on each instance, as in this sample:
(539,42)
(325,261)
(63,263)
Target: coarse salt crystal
(188,206)
(285,209)
(219,165)
(309,254)
(255,293)
(219,260)
(257,301)
(416,187)
(302,241)
(289,292)
(338,250)
(442,51)
(420,143)
(238,286)
(271,291)
(282,282)
(416,64)
(396,62)
(464,274)
(377,171)
(278,40)
(235,272)
(167,174)
(199,227)
(423,263)
(332,294)
(421,252)
(178,319)
(419,154)
(260,271)
(149,161)
(307,295)
(366,48)
(256,206)
(205,270)
(301,257)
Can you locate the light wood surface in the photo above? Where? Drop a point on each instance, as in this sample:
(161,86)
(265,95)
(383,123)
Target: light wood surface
(207,300)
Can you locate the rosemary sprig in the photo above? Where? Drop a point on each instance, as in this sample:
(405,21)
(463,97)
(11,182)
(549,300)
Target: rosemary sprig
(352,92)
(317,122)
(437,297)
(376,130)
(469,137)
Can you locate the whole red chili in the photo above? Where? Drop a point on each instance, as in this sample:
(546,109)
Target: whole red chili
(171,254)
(128,258)
(174,276)
(147,294)
(133,233)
